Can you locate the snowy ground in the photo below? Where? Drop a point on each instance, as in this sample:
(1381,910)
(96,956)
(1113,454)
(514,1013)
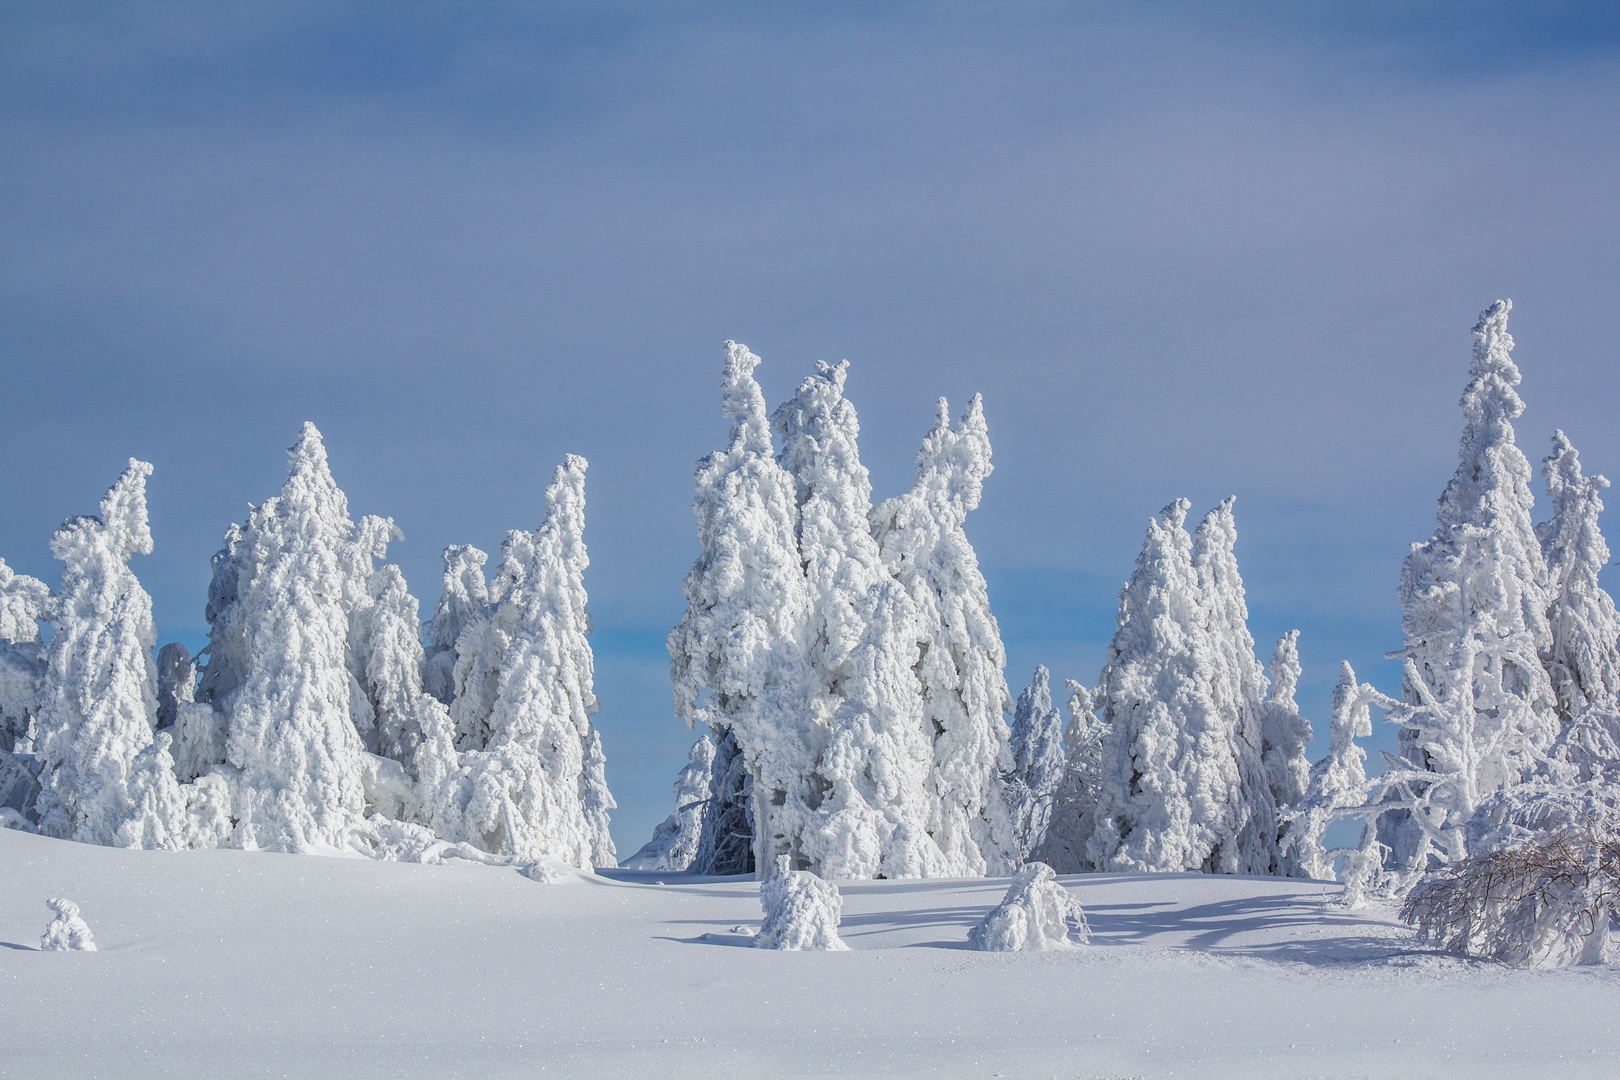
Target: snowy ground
(224,963)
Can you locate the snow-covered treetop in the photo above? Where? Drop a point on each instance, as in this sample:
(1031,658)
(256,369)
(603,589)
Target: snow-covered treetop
(1285,672)
(23,601)
(121,530)
(1492,482)
(743,403)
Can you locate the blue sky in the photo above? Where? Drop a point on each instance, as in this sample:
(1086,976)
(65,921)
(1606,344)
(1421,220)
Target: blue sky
(1181,250)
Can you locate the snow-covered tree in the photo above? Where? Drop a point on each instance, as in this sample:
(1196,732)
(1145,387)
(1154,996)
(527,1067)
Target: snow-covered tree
(1172,796)
(534,786)
(863,639)
(1284,736)
(1036,744)
(920,534)
(1238,683)
(1480,712)
(1338,781)
(24,601)
(465,595)
(738,655)
(674,843)
(1583,657)
(726,838)
(1074,805)
(98,704)
(278,664)
(176,682)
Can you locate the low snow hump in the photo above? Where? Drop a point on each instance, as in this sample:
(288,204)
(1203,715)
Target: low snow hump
(1036,913)
(801,912)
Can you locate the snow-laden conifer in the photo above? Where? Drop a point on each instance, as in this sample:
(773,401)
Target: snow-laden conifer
(98,703)
(1074,806)
(465,595)
(863,639)
(1284,736)
(738,655)
(278,664)
(1238,684)
(176,682)
(1338,781)
(726,839)
(1036,744)
(1037,913)
(674,843)
(1583,658)
(534,786)
(965,692)
(1480,712)
(1172,797)
(24,601)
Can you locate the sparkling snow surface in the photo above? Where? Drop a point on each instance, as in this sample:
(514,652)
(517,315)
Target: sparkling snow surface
(249,964)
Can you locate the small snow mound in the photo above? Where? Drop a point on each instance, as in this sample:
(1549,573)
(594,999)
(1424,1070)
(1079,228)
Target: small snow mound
(542,872)
(1036,913)
(67,932)
(801,912)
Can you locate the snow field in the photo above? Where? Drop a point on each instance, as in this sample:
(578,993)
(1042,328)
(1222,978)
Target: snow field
(251,964)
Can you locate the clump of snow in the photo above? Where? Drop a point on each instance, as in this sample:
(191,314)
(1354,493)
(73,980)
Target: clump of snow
(801,912)
(1036,913)
(68,932)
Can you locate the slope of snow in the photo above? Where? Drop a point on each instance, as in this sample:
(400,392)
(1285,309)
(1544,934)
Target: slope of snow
(251,964)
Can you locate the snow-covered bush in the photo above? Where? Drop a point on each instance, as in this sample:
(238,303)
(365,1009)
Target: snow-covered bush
(801,912)
(1546,901)
(1037,913)
(68,932)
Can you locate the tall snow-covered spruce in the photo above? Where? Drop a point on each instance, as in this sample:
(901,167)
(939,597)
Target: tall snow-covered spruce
(964,685)
(1036,744)
(99,704)
(532,783)
(1480,712)
(1583,655)
(863,640)
(278,665)
(738,657)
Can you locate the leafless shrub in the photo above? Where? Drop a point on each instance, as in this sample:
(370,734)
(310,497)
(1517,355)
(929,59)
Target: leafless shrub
(1542,902)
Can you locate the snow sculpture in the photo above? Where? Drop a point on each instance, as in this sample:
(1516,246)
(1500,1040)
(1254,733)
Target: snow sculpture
(533,784)
(737,659)
(863,641)
(674,843)
(1036,913)
(1479,710)
(964,689)
(98,703)
(1074,805)
(1172,796)
(802,912)
(24,601)
(278,664)
(1583,659)
(1036,744)
(68,932)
